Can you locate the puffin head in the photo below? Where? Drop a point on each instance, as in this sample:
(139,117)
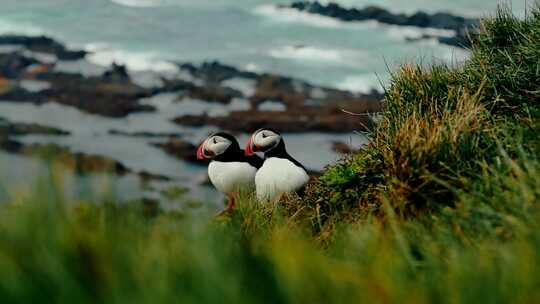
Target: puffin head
(215,145)
(262,140)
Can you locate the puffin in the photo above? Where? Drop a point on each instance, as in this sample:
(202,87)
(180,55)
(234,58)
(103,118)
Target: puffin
(280,173)
(231,171)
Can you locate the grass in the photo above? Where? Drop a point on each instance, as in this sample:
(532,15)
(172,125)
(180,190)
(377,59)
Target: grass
(442,207)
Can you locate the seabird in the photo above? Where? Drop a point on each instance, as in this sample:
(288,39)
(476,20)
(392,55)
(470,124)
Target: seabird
(231,171)
(280,173)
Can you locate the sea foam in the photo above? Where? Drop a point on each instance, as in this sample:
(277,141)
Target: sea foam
(103,55)
(318,54)
(138,3)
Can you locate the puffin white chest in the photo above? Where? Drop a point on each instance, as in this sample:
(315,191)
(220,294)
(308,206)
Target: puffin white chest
(278,176)
(230,177)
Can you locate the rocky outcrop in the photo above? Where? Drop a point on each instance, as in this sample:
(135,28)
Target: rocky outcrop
(180,149)
(112,96)
(144,134)
(97,95)
(420,19)
(80,163)
(43,44)
(445,21)
(307,107)
(14,129)
(13,65)
(308,120)
(115,94)
(215,72)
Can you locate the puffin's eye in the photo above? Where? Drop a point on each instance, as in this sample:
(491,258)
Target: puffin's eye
(215,140)
(264,135)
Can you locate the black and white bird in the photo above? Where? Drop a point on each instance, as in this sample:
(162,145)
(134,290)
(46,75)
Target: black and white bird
(281,173)
(231,171)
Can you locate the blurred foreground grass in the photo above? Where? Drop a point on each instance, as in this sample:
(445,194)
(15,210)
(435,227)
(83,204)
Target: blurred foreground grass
(76,252)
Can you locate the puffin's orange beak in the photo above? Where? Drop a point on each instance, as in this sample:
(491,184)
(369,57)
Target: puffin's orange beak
(201,153)
(251,148)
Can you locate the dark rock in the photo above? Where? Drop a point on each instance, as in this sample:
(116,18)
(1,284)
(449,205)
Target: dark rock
(308,107)
(42,44)
(14,129)
(213,93)
(180,149)
(13,65)
(215,72)
(147,176)
(117,73)
(420,19)
(144,134)
(96,95)
(309,119)
(80,163)
(113,94)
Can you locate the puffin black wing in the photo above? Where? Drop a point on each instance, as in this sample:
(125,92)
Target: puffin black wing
(254,160)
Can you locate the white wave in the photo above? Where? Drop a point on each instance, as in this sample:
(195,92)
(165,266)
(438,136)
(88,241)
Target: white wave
(412,32)
(103,55)
(246,86)
(360,83)
(273,106)
(292,15)
(315,54)
(138,3)
(253,67)
(396,32)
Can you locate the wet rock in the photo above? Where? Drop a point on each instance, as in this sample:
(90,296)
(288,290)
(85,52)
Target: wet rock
(213,93)
(307,120)
(114,94)
(215,72)
(14,129)
(80,163)
(95,94)
(13,65)
(419,19)
(180,149)
(90,94)
(117,73)
(144,134)
(147,177)
(444,21)
(43,44)
(5,85)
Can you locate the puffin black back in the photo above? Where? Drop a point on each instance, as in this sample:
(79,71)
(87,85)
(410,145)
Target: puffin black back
(280,151)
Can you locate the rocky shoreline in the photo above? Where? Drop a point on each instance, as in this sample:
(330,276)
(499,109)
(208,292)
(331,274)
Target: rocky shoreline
(80,163)
(460,25)
(29,73)
(295,105)
(8,129)
(115,94)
